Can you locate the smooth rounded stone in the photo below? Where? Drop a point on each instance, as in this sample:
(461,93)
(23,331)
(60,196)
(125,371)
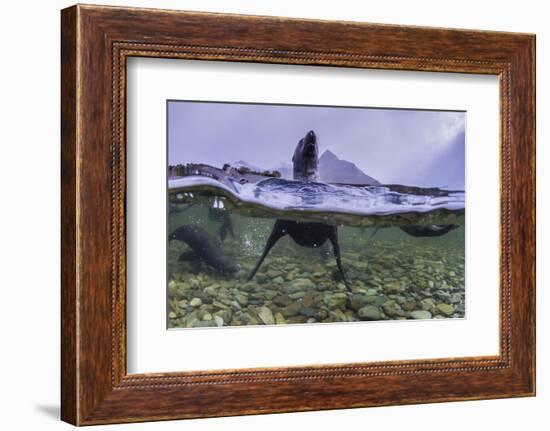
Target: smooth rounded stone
(242,299)
(321,314)
(282,300)
(445,309)
(431,284)
(291,310)
(317,268)
(336,316)
(278,280)
(442,295)
(236,322)
(218,320)
(226,300)
(369,312)
(266,316)
(351,316)
(420,314)
(183,303)
(452,273)
(311,320)
(262,278)
(445,286)
(360,285)
(192,322)
(210,290)
(206,299)
(255,296)
(336,300)
(371,292)
(226,314)
(279,319)
(427,304)
(376,300)
(357,301)
(272,273)
(219,304)
(206,316)
(309,300)
(300,284)
(455,298)
(195,302)
(408,305)
(235,305)
(194,282)
(249,286)
(307,311)
(297,319)
(250,320)
(172,315)
(341,286)
(392,308)
(193,315)
(172,285)
(270,294)
(296,295)
(374,278)
(393,287)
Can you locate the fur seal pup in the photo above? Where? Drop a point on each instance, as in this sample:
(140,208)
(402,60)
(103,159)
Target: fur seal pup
(430,230)
(306,234)
(203,247)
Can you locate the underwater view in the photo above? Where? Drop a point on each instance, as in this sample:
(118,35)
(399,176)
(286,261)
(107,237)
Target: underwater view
(294,233)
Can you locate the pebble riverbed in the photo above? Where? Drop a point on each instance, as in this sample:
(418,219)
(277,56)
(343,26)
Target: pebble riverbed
(390,280)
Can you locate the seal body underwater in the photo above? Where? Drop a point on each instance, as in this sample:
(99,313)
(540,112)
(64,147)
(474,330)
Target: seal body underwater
(432,230)
(306,234)
(203,247)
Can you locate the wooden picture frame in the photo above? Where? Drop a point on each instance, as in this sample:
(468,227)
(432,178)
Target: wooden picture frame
(95,43)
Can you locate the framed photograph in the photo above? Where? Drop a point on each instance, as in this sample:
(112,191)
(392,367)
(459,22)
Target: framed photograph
(329,214)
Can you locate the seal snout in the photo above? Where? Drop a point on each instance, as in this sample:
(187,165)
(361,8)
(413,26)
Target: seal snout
(310,144)
(311,138)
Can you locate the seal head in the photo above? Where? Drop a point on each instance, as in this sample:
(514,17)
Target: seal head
(306,158)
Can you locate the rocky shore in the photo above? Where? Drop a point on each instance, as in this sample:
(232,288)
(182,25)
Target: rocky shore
(391,280)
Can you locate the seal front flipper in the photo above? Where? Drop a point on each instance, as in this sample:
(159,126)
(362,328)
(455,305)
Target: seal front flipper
(277,233)
(225,228)
(333,238)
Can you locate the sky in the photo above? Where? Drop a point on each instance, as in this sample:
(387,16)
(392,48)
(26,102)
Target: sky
(395,146)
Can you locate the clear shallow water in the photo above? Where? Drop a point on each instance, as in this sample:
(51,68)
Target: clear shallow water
(393,275)
(333,203)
